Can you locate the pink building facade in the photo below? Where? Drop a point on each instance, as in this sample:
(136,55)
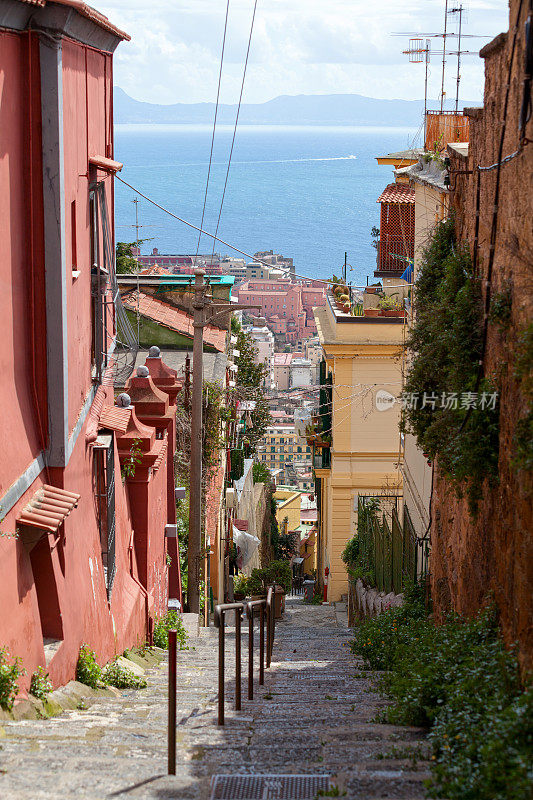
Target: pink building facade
(83,540)
(286,306)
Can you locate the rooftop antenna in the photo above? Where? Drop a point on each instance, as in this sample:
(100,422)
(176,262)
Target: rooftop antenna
(459,11)
(419,53)
(444,35)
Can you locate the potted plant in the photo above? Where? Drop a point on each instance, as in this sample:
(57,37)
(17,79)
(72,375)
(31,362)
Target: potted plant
(372,312)
(256,584)
(375,289)
(240,587)
(391,307)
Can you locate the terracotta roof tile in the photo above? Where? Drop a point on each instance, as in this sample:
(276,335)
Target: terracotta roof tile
(173,318)
(397,193)
(115,418)
(48,508)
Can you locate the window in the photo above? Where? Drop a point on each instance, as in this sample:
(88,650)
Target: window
(104,474)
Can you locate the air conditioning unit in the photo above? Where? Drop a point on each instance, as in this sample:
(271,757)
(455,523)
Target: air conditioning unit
(230,498)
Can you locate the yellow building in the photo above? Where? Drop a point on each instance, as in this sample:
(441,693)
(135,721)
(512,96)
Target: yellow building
(362,374)
(289,505)
(280,447)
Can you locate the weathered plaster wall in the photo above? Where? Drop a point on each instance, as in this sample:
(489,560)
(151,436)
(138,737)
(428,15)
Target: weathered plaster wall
(494,553)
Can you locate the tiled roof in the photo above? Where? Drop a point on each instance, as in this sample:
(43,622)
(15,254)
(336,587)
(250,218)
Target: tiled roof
(86,11)
(48,508)
(115,418)
(173,318)
(397,193)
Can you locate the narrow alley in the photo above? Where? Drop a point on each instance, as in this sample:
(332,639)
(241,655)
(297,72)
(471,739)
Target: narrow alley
(313,716)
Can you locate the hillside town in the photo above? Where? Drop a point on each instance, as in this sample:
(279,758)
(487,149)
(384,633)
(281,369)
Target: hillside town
(216,465)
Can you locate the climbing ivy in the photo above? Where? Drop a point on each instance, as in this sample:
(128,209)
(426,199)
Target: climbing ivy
(445,345)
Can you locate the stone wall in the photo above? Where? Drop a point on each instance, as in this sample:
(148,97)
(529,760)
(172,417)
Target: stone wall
(492,555)
(365,601)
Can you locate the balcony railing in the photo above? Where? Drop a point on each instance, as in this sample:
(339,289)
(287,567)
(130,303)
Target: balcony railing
(395,254)
(443,127)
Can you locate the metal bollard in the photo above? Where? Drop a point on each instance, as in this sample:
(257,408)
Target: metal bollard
(172,666)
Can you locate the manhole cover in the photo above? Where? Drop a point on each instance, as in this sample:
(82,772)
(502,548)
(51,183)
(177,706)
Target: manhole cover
(267,787)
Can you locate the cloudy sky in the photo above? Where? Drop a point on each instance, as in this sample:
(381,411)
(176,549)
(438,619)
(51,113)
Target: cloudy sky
(298,47)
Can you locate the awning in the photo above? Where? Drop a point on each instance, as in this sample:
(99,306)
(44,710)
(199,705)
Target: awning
(48,508)
(107,164)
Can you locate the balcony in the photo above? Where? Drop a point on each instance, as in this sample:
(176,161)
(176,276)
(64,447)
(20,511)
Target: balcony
(443,127)
(394,255)
(374,305)
(321,458)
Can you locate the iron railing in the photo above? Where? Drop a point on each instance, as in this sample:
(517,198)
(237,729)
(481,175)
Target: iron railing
(389,552)
(266,610)
(395,253)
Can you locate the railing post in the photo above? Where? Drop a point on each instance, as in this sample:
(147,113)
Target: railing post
(268,615)
(250,653)
(172,702)
(221,669)
(261,645)
(237,659)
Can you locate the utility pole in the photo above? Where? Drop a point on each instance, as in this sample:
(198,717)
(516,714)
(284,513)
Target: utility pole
(195,495)
(200,302)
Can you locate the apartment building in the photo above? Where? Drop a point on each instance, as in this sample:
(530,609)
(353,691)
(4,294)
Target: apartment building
(264,342)
(286,306)
(357,449)
(282,449)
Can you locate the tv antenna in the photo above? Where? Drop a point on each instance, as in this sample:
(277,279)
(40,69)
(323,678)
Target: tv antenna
(419,50)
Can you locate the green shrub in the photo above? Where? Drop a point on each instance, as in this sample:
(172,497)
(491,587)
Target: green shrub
(276,572)
(279,572)
(88,671)
(40,685)
(240,585)
(459,680)
(171,620)
(445,345)
(9,675)
(377,640)
(121,677)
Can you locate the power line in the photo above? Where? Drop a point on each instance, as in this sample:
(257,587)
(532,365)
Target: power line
(214,129)
(235,126)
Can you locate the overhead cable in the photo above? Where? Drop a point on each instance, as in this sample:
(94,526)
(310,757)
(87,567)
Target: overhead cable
(214,128)
(234,127)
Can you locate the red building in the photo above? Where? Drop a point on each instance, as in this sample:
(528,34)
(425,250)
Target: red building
(397,230)
(86,487)
(286,306)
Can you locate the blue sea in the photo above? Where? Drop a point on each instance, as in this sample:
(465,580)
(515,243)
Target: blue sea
(306,192)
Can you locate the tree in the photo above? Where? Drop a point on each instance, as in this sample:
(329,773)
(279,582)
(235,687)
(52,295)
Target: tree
(126,263)
(249,378)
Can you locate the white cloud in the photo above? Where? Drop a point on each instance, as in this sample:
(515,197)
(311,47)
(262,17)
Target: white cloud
(299,47)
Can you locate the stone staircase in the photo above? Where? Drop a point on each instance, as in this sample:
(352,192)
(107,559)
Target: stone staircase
(313,717)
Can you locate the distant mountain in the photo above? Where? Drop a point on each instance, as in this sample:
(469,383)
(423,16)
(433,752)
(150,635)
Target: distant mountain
(330,109)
